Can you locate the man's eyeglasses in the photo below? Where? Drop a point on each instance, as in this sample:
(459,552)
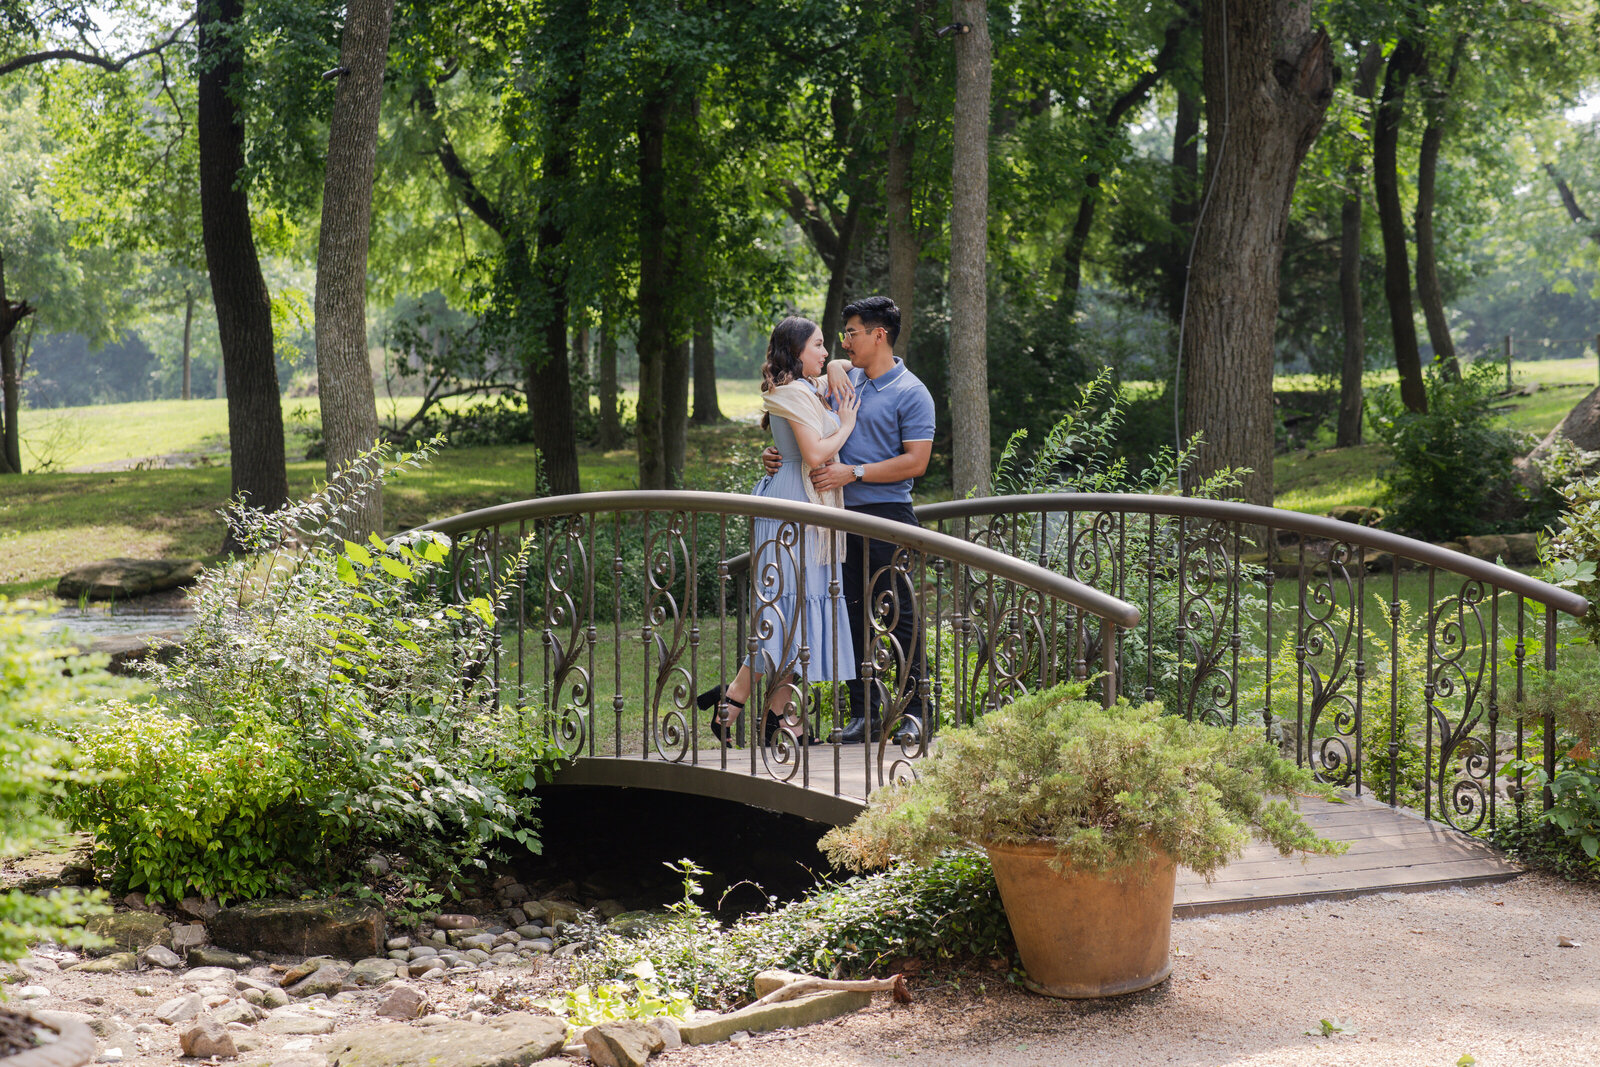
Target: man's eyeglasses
(852,333)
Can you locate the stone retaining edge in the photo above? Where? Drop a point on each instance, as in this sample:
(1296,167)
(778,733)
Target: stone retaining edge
(802,1011)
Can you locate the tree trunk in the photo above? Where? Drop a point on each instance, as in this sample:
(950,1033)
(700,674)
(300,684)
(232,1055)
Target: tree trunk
(188,334)
(1429,294)
(610,422)
(549,375)
(904,250)
(969,250)
(244,310)
(675,411)
(1264,108)
(706,410)
(10,378)
(1403,62)
(1185,200)
(655,296)
(344,373)
(1351,310)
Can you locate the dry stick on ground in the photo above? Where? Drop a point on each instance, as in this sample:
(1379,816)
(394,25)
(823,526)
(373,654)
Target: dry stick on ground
(894,983)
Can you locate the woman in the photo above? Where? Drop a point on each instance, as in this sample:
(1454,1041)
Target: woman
(807,434)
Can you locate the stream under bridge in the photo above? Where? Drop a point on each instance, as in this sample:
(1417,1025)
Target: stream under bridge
(1393,668)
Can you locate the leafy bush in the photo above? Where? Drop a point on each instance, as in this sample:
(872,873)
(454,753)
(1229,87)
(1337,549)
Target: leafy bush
(36,704)
(948,910)
(1450,466)
(1571,552)
(1570,696)
(176,807)
(1111,788)
(335,700)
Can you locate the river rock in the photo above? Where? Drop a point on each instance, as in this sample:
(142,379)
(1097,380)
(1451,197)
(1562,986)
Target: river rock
(302,928)
(327,980)
(123,578)
(303,968)
(117,961)
(212,956)
(622,1043)
(403,1002)
(195,908)
(179,1009)
(1522,549)
(129,931)
(456,922)
(207,1037)
(293,1024)
(161,956)
(187,935)
(370,972)
(37,966)
(209,974)
(508,1039)
(238,1011)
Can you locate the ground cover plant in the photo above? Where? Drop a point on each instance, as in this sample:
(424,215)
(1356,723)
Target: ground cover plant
(330,700)
(945,913)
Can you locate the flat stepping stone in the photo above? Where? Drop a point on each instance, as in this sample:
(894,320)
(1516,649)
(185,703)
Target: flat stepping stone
(509,1039)
(123,578)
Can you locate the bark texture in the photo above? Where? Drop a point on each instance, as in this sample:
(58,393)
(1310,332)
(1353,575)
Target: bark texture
(11,314)
(1185,202)
(969,249)
(706,410)
(244,310)
(1264,108)
(1429,293)
(1403,63)
(655,295)
(188,334)
(904,247)
(344,374)
(1351,311)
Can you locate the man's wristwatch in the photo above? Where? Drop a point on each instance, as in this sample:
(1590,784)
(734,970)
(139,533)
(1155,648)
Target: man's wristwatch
(860,471)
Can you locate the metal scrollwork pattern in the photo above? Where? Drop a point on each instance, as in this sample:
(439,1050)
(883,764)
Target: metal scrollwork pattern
(1458,642)
(1328,635)
(568,601)
(669,572)
(1208,585)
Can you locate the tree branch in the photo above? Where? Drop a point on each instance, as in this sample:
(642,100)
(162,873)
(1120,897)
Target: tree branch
(93,58)
(1574,212)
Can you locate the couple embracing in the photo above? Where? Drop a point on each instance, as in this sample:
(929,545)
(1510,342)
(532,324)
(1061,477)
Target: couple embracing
(852,433)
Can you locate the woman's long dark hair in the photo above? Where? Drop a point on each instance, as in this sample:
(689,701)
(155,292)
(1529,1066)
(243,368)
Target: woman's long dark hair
(783,363)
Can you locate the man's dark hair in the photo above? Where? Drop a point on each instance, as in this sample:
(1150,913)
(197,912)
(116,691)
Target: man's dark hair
(875,311)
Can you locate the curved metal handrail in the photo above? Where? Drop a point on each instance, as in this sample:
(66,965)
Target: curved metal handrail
(930,542)
(1273,518)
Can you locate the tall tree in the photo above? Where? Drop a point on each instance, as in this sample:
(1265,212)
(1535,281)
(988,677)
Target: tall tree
(969,251)
(1436,106)
(12,312)
(1404,62)
(344,374)
(704,356)
(244,310)
(658,256)
(1268,78)
(899,178)
(1351,311)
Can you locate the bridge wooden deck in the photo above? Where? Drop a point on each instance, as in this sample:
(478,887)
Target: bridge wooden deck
(1391,850)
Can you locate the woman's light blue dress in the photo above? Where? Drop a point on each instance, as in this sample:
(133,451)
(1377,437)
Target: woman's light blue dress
(777,623)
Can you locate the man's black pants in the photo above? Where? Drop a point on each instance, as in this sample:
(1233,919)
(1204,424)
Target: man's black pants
(879,572)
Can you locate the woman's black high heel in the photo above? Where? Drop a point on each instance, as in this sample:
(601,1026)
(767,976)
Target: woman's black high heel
(720,729)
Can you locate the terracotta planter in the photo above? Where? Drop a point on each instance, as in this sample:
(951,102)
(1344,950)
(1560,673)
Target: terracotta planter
(1084,935)
(74,1047)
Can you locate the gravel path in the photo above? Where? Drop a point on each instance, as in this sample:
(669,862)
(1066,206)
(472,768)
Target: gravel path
(1419,979)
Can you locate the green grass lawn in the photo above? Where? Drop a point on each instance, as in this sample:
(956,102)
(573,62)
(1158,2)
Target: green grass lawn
(52,521)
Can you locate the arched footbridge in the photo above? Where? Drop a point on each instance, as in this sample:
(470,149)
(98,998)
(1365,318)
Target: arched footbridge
(1393,668)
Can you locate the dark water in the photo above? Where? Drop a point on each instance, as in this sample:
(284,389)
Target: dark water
(98,620)
(615,843)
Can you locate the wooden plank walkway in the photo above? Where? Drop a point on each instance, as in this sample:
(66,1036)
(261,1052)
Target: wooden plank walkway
(1391,850)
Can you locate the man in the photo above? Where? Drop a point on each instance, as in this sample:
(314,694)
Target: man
(889,449)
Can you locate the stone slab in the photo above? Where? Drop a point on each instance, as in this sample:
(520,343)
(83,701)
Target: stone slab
(302,928)
(507,1041)
(802,1011)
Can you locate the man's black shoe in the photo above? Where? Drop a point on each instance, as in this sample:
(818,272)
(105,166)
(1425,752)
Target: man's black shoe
(855,732)
(909,734)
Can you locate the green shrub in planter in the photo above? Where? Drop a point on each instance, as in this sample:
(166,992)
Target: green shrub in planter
(1570,695)
(36,702)
(1111,787)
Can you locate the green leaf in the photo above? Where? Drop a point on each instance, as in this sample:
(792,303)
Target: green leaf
(395,567)
(358,553)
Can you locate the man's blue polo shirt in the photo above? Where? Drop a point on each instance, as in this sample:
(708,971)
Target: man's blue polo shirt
(895,407)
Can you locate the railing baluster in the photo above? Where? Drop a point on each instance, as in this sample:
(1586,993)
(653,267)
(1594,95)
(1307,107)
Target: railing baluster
(617,571)
(1494,699)
(1235,591)
(1394,685)
(1360,639)
(1428,691)
(1302,754)
(1549,716)
(591,720)
(1150,612)
(1521,656)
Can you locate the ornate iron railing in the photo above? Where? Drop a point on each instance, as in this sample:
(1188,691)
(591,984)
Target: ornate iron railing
(1256,614)
(639,593)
